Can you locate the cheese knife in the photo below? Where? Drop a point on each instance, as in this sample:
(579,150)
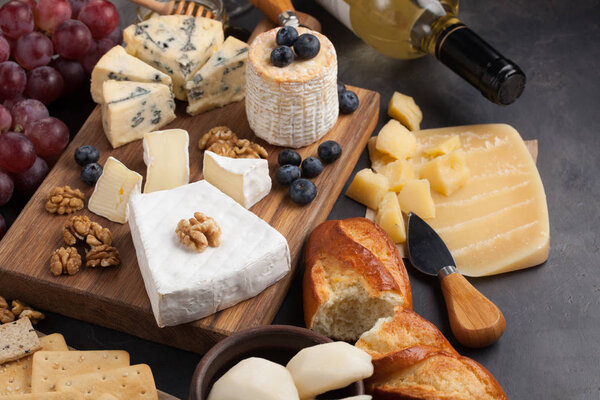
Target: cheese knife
(474,319)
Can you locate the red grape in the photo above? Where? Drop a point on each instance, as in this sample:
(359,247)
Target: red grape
(50,136)
(34,49)
(116,36)
(72,72)
(16,19)
(30,3)
(26,112)
(72,39)
(44,84)
(5,119)
(4,49)
(99,48)
(76,6)
(101,16)
(27,182)
(11,102)
(6,187)
(17,153)
(3,227)
(49,14)
(13,80)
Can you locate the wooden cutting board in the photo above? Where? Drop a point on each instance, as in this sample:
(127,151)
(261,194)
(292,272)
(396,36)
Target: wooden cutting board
(116,297)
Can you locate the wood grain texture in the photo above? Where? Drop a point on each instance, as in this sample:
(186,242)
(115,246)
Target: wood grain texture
(116,297)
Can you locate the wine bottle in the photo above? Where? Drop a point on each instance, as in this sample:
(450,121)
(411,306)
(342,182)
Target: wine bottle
(408,29)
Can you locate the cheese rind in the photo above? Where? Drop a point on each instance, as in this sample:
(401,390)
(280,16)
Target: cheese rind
(111,194)
(134,108)
(166,154)
(117,65)
(183,285)
(222,80)
(246,180)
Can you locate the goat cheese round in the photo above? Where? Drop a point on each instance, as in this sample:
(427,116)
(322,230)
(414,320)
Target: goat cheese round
(295,105)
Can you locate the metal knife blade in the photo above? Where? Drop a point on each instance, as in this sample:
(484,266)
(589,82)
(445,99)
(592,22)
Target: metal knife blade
(426,249)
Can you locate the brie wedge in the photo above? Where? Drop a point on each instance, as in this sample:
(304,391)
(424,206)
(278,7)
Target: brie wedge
(246,180)
(168,159)
(183,285)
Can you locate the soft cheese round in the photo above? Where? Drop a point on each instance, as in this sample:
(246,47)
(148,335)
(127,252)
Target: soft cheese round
(295,105)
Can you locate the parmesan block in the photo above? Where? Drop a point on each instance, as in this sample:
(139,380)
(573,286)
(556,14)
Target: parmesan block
(444,146)
(398,172)
(396,141)
(368,188)
(167,156)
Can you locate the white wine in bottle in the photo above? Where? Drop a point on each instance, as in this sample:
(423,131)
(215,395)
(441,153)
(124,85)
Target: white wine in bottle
(408,29)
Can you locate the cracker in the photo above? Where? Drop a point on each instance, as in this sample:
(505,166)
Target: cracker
(50,366)
(17,340)
(46,396)
(107,396)
(128,383)
(15,376)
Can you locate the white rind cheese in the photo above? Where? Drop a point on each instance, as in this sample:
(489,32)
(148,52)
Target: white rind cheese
(246,180)
(222,80)
(112,191)
(134,108)
(167,156)
(117,65)
(183,285)
(178,45)
(295,105)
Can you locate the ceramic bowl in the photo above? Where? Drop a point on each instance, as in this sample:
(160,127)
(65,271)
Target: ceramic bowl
(278,343)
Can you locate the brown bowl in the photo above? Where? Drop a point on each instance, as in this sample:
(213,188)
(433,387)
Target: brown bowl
(277,343)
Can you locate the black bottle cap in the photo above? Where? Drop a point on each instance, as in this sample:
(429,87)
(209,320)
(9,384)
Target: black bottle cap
(498,78)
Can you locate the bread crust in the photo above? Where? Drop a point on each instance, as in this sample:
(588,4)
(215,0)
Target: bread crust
(355,247)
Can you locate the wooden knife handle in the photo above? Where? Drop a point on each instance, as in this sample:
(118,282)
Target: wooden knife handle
(272,8)
(474,319)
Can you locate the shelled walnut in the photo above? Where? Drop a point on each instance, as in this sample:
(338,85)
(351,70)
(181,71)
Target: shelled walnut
(223,141)
(199,232)
(6,314)
(103,256)
(18,307)
(34,316)
(81,227)
(64,200)
(65,260)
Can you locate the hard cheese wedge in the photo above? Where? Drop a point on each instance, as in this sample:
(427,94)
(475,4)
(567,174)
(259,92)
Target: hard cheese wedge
(113,189)
(117,65)
(178,45)
(167,156)
(222,80)
(134,108)
(498,221)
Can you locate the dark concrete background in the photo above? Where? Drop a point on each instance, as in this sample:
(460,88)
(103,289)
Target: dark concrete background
(551,347)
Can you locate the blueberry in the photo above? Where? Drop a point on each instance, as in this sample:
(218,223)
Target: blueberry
(282,56)
(307,46)
(348,102)
(91,173)
(87,154)
(287,174)
(286,36)
(311,167)
(329,151)
(341,88)
(289,157)
(303,191)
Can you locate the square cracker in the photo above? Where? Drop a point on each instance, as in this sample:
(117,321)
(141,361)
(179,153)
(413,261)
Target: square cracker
(107,396)
(50,366)
(17,340)
(15,376)
(46,396)
(129,383)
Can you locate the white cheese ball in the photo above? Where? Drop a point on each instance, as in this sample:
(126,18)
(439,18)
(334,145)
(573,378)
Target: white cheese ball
(255,378)
(324,367)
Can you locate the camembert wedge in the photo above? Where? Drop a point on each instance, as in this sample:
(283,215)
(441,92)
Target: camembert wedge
(167,157)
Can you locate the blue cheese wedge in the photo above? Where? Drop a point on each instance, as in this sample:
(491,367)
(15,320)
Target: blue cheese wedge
(168,159)
(134,108)
(178,45)
(117,65)
(184,285)
(222,80)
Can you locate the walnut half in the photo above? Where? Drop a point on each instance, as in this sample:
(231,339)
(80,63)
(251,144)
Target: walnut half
(82,228)
(103,256)
(199,232)
(65,260)
(222,141)
(64,200)
(6,314)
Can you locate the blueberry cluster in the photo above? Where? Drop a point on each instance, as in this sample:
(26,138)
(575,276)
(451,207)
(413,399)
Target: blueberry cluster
(304,46)
(293,171)
(87,156)
(348,99)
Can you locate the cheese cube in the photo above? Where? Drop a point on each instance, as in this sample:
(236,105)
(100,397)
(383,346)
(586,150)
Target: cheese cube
(378,159)
(113,189)
(398,172)
(415,197)
(222,80)
(368,188)
(448,173)
(246,180)
(445,146)
(404,109)
(167,157)
(389,217)
(396,141)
